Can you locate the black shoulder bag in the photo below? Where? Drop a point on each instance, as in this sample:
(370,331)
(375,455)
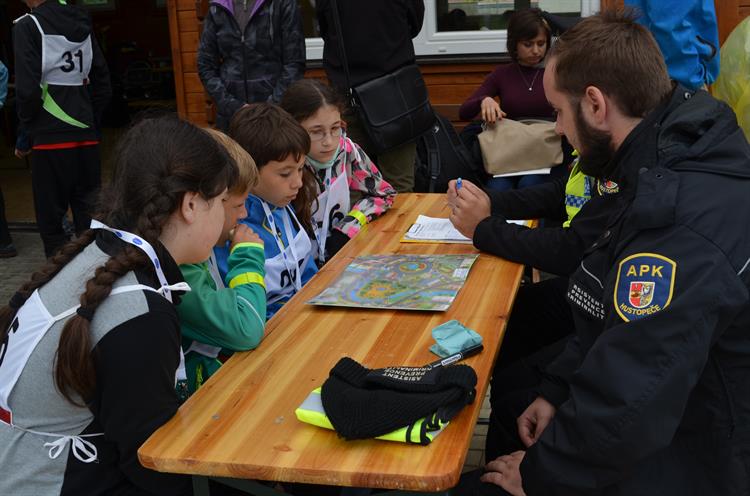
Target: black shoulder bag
(394,108)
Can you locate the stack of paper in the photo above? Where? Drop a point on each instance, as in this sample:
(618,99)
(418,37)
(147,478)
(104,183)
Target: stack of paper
(546,170)
(433,230)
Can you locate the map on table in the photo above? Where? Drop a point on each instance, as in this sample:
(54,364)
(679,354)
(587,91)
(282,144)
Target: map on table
(399,282)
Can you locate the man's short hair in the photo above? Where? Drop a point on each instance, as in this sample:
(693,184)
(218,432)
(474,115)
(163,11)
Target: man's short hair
(269,133)
(617,55)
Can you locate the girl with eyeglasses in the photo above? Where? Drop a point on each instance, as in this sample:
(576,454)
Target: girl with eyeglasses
(351,191)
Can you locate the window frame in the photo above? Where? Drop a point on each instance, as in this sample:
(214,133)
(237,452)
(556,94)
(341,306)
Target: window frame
(431,42)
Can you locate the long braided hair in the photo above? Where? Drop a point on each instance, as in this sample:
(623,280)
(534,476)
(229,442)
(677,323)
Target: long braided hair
(157,162)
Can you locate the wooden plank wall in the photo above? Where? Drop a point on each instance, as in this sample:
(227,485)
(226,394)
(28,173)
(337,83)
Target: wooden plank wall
(448,84)
(729,13)
(184,31)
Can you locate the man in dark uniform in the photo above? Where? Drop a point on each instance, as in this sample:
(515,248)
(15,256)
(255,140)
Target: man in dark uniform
(541,319)
(651,395)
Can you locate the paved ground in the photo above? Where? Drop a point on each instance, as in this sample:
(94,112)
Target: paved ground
(16,271)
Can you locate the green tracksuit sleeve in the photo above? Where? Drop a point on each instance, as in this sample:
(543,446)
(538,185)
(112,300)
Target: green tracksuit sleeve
(232,318)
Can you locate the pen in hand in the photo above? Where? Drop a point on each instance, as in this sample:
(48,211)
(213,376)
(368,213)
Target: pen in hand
(459,183)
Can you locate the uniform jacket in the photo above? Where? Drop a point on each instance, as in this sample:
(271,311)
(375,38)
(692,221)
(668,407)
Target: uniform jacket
(256,64)
(376,194)
(84,103)
(652,391)
(557,250)
(136,339)
(377,37)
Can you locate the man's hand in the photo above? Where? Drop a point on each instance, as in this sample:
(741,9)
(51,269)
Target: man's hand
(491,111)
(534,420)
(22,153)
(469,206)
(243,234)
(505,472)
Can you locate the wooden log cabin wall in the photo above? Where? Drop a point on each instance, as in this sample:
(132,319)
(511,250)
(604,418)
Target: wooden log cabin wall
(449,82)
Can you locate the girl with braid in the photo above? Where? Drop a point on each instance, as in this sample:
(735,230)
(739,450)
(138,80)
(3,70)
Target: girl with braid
(90,346)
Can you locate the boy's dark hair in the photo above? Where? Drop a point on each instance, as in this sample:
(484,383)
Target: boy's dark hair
(525,25)
(269,133)
(615,54)
(157,162)
(305,97)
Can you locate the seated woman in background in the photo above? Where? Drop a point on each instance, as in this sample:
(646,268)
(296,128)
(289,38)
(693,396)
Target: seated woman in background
(518,86)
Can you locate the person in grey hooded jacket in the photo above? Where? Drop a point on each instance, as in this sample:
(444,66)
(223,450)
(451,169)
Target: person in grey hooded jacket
(250,51)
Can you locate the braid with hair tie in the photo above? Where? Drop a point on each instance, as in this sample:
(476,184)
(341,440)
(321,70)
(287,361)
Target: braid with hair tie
(85,312)
(74,365)
(74,368)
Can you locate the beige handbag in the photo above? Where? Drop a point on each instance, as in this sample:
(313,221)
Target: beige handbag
(517,146)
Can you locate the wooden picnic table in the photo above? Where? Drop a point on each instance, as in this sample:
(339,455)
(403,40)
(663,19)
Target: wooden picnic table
(241,423)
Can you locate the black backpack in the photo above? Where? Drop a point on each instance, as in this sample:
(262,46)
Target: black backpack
(442,156)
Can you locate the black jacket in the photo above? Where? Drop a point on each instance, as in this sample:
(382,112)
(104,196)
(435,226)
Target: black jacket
(652,392)
(377,36)
(84,103)
(254,64)
(557,250)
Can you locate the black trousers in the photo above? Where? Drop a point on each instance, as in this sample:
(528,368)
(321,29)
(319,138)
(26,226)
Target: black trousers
(62,179)
(4,232)
(521,380)
(536,333)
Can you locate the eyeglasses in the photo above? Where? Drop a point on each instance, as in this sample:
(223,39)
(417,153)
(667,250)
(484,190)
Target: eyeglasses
(320,134)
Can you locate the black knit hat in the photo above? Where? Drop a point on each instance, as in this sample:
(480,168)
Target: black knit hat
(363,403)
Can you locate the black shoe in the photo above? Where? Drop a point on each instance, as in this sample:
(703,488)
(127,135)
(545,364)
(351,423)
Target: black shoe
(8,251)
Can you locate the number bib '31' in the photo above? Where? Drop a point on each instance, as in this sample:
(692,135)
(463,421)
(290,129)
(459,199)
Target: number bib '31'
(64,62)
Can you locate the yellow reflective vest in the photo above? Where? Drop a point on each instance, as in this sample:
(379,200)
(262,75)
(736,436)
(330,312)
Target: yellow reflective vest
(577,192)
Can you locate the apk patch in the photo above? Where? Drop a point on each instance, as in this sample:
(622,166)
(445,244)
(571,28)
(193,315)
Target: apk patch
(645,283)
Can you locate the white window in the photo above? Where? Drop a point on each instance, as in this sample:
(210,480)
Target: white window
(458,27)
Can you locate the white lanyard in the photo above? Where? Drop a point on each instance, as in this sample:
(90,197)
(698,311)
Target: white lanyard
(203,348)
(144,246)
(213,271)
(336,194)
(321,233)
(165,288)
(294,269)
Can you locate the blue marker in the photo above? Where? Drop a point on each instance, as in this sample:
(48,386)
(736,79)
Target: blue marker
(458,183)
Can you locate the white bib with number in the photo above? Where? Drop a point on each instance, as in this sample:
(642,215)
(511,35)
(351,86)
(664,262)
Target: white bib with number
(64,62)
(284,271)
(333,204)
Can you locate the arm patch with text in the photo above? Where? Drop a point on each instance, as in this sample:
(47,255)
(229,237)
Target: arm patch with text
(644,286)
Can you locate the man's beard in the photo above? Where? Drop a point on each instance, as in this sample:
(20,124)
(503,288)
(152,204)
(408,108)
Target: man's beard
(597,151)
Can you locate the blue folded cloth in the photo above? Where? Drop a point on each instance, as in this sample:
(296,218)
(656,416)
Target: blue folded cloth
(452,337)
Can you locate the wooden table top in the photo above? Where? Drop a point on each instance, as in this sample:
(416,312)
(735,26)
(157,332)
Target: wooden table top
(241,423)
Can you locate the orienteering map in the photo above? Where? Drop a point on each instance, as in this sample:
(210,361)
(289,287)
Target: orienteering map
(403,282)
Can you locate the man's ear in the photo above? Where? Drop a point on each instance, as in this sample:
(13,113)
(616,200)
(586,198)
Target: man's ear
(189,207)
(595,105)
